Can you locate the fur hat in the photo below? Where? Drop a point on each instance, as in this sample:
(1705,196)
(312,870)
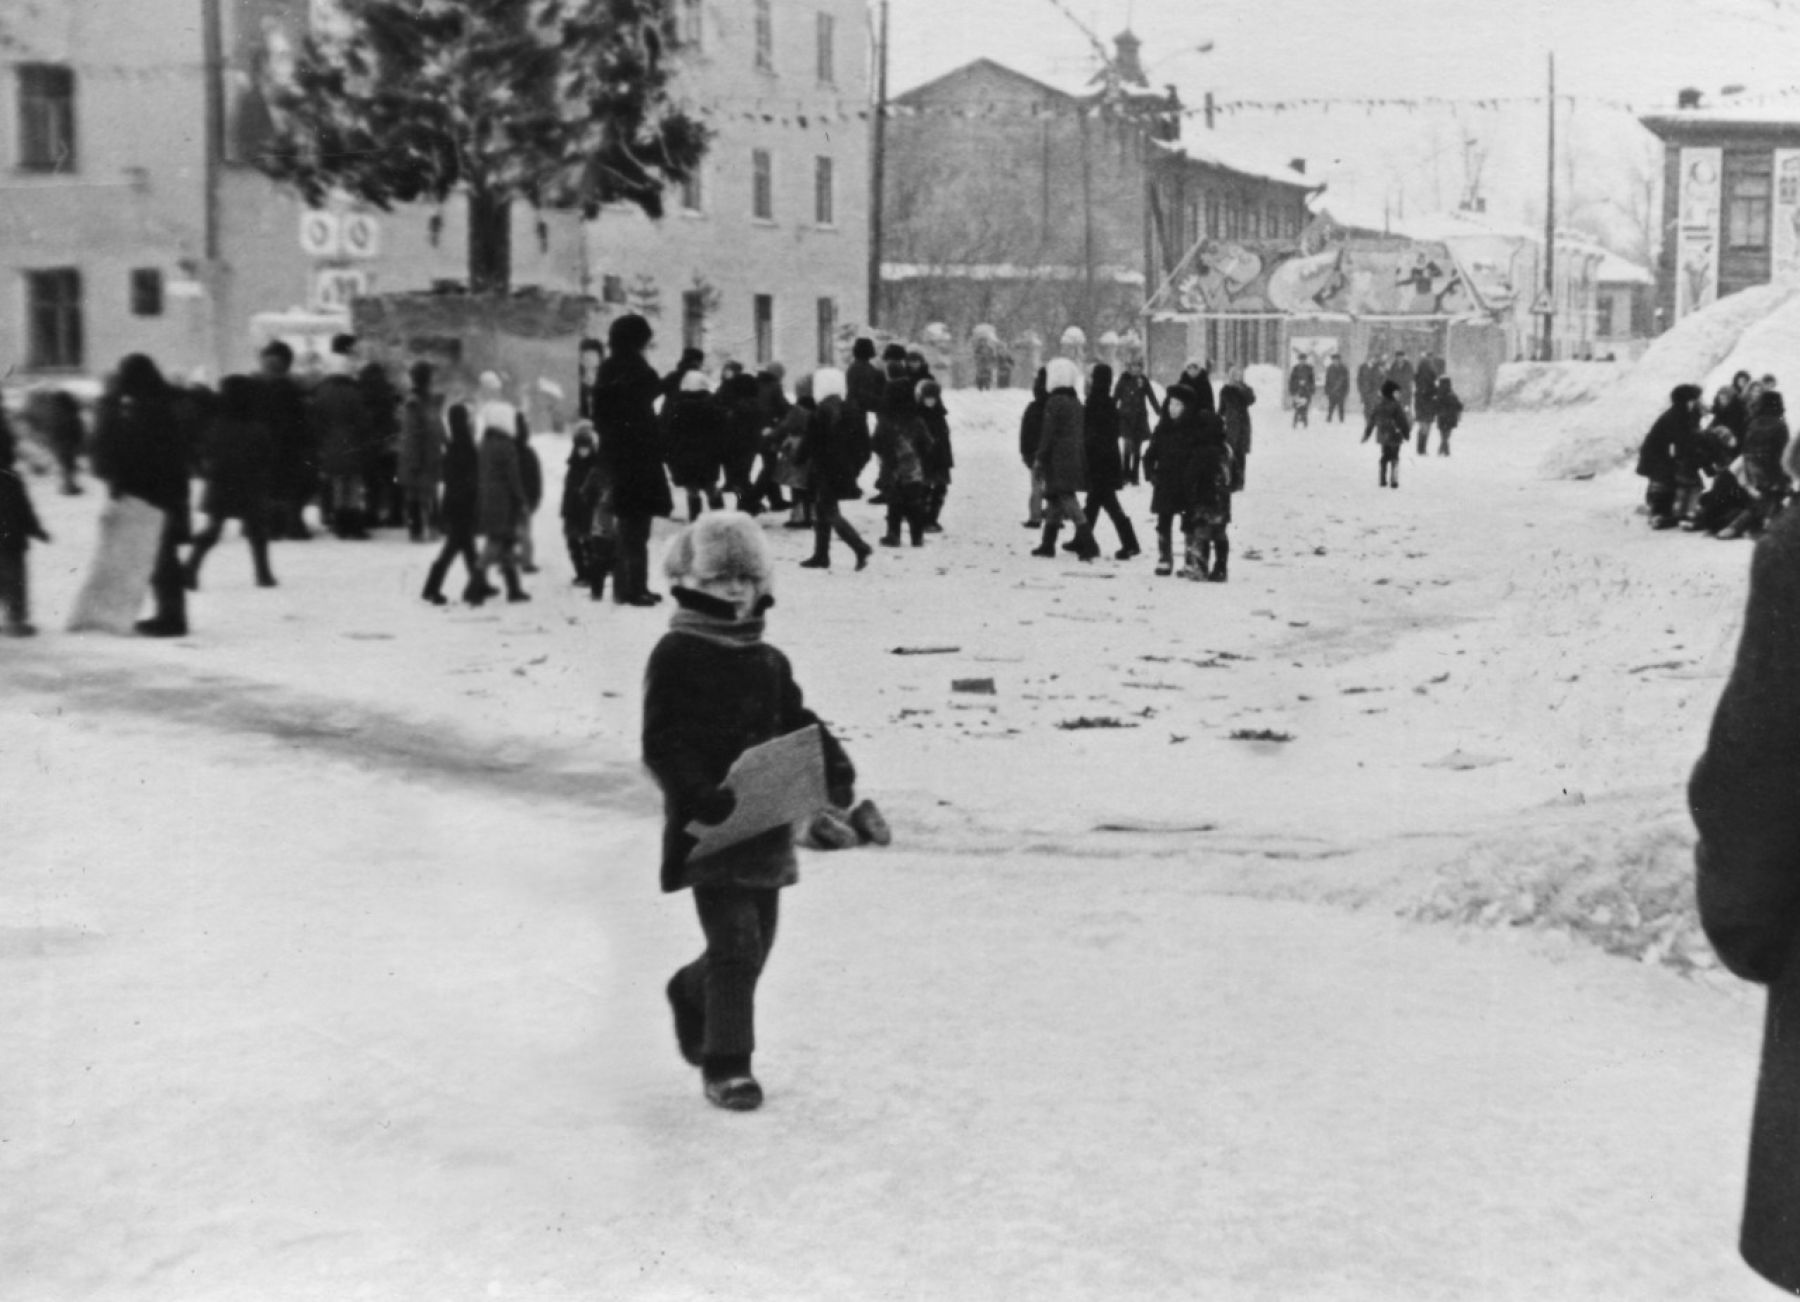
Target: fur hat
(863,350)
(894,353)
(1769,403)
(1061,373)
(1682,394)
(1390,388)
(828,382)
(584,434)
(695,382)
(628,334)
(720,543)
(929,389)
(1182,394)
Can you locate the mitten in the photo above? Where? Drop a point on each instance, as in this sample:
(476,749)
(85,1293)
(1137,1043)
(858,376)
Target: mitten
(714,807)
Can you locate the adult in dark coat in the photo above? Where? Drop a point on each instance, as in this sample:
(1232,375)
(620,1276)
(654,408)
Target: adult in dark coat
(694,437)
(1138,412)
(1337,388)
(1235,401)
(833,453)
(1062,460)
(739,400)
(1748,880)
(531,475)
(625,407)
(238,460)
(284,411)
(1368,384)
(1105,465)
(341,428)
(57,416)
(1656,455)
(421,465)
(462,502)
(1400,373)
(1173,464)
(1424,400)
(1031,433)
(139,451)
(1449,413)
(501,507)
(865,382)
(381,454)
(1197,378)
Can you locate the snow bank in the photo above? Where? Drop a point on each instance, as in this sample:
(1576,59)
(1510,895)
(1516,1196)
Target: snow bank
(1605,434)
(1769,347)
(1539,386)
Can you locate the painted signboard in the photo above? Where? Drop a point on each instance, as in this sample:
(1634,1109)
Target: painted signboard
(1784,221)
(1351,279)
(1697,230)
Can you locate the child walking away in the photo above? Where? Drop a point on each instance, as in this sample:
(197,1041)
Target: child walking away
(1208,547)
(902,442)
(940,459)
(833,454)
(790,433)
(576,513)
(1172,464)
(462,496)
(1449,413)
(714,689)
(239,459)
(18,526)
(1391,427)
(1062,460)
(1105,465)
(694,439)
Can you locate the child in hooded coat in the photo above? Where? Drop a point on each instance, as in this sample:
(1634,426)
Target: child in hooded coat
(18,526)
(575,512)
(712,690)
(694,442)
(1391,426)
(903,442)
(1449,413)
(940,458)
(1062,460)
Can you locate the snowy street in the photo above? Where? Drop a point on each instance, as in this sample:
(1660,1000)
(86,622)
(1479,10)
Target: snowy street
(331,951)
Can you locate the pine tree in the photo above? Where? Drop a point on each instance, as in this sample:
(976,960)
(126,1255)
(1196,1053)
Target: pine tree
(555,103)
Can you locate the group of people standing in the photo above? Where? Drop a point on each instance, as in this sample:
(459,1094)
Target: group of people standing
(1726,470)
(1094,436)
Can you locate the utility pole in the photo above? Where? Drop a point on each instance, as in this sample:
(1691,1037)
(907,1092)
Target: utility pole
(878,169)
(1550,223)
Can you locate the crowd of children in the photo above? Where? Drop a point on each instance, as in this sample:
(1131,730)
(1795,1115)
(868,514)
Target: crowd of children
(1725,470)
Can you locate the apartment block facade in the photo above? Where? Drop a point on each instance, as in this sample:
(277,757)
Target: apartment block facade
(132,217)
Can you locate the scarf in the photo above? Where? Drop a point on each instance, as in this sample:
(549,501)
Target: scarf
(714,621)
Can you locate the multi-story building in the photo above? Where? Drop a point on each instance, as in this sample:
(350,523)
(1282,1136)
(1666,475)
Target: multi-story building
(1731,200)
(1026,206)
(132,217)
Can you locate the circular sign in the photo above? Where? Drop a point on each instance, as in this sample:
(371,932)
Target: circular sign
(319,234)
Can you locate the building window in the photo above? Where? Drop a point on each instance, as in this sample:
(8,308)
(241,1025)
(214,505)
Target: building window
(690,31)
(693,196)
(53,320)
(1747,191)
(762,186)
(46,118)
(1214,223)
(827,54)
(822,197)
(763,312)
(612,289)
(147,292)
(693,319)
(765,37)
(828,322)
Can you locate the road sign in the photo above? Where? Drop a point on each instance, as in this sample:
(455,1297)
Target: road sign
(361,234)
(334,288)
(320,234)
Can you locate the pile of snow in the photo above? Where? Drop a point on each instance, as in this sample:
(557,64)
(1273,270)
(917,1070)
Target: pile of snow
(1268,383)
(1606,434)
(1541,386)
(1769,347)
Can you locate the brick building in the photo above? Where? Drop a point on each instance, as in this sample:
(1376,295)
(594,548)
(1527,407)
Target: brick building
(1031,207)
(132,218)
(1731,201)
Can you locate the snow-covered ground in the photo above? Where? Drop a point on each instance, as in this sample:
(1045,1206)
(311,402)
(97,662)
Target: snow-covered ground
(333,955)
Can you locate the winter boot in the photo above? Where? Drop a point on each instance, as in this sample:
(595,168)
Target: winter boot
(871,827)
(1165,557)
(1047,548)
(690,1024)
(830,830)
(1194,566)
(734,1093)
(1220,555)
(600,564)
(1128,540)
(1085,547)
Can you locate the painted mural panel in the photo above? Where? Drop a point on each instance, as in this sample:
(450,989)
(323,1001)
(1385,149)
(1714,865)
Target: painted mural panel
(1697,230)
(1784,224)
(1248,276)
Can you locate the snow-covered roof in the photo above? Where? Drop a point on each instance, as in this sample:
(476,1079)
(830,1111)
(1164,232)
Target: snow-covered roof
(1206,147)
(1358,215)
(1783,113)
(1614,270)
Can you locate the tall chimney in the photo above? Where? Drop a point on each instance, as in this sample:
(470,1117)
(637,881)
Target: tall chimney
(1687,98)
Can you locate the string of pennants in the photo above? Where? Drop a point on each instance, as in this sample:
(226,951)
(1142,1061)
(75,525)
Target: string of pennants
(804,114)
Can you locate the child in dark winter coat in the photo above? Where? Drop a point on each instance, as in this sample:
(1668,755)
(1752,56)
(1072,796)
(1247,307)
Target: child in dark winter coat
(940,458)
(1767,482)
(1391,425)
(714,689)
(1208,544)
(1449,413)
(1657,455)
(18,526)
(575,512)
(903,442)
